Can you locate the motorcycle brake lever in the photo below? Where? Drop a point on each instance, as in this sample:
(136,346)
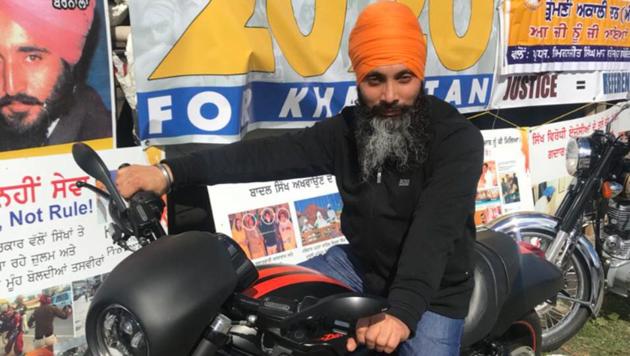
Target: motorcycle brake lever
(101,192)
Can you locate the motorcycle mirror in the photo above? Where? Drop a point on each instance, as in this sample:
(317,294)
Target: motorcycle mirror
(92,164)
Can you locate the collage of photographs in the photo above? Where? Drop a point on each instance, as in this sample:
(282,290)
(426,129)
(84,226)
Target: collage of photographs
(496,191)
(47,322)
(275,229)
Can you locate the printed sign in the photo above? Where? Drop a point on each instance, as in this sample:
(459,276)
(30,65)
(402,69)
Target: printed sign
(54,243)
(565,35)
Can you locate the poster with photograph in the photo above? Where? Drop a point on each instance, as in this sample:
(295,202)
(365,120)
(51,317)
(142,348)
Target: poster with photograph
(282,221)
(504,180)
(54,246)
(319,218)
(58,84)
(265,231)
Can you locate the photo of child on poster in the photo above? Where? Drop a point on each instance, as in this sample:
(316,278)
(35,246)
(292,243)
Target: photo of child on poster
(265,231)
(35,323)
(57,87)
(318,218)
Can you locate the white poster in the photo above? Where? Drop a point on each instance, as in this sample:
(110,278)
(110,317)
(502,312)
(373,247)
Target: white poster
(53,239)
(547,143)
(283,221)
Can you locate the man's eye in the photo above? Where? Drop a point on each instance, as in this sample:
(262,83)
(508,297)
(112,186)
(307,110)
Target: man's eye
(373,81)
(405,79)
(33,58)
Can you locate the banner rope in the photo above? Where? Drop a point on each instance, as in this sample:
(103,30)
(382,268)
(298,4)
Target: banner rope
(487,112)
(565,114)
(495,116)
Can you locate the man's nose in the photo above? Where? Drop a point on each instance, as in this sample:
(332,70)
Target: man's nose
(12,79)
(390,93)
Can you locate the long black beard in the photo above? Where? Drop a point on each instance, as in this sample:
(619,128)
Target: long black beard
(400,143)
(14,136)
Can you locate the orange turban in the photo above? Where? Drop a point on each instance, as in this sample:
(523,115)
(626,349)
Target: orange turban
(385,33)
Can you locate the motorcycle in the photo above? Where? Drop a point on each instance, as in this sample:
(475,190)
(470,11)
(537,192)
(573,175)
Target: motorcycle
(599,197)
(196,293)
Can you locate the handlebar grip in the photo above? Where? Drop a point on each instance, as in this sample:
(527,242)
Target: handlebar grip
(205,348)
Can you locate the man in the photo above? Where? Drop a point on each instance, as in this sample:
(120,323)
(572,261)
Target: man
(43,318)
(15,333)
(42,100)
(21,308)
(406,166)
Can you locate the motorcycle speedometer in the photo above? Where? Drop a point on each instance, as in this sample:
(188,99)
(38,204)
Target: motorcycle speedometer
(120,333)
(578,155)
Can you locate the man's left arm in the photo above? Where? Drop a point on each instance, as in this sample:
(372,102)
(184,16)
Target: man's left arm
(441,217)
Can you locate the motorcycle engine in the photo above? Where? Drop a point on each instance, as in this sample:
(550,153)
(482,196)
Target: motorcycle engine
(615,235)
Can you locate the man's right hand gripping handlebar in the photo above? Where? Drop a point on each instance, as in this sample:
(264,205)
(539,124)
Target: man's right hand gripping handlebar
(133,178)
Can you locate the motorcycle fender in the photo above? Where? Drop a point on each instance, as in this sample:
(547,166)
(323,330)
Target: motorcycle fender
(595,271)
(513,223)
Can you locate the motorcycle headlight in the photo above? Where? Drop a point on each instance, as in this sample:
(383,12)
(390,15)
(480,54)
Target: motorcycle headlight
(120,333)
(578,155)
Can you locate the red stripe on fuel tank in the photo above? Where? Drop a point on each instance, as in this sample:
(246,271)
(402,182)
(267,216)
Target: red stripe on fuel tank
(264,272)
(261,289)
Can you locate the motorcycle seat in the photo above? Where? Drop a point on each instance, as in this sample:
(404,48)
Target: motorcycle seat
(496,263)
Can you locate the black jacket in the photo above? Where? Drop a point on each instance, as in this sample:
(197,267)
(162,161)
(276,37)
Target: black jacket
(88,119)
(413,231)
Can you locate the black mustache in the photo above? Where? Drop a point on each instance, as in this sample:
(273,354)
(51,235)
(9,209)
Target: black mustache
(382,107)
(21,98)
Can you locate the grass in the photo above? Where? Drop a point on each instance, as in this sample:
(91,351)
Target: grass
(609,334)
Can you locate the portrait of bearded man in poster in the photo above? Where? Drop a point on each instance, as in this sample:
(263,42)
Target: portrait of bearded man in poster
(45,56)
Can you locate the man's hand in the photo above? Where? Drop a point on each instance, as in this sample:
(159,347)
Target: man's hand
(134,178)
(381,332)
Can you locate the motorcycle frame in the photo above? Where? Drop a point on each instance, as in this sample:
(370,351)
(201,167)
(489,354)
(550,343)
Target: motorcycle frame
(513,223)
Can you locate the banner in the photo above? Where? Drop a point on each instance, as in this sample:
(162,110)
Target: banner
(565,35)
(552,88)
(216,69)
(547,143)
(53,240)
(504,183)
(58,89)
(547,149)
